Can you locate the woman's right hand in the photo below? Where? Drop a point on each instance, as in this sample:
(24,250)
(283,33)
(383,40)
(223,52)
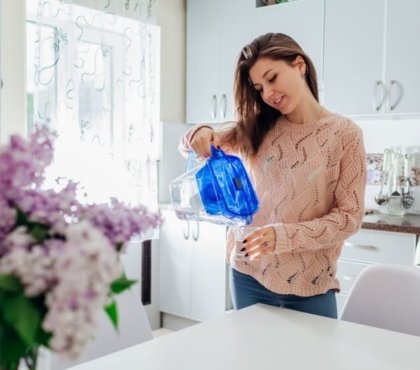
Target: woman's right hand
(202,141)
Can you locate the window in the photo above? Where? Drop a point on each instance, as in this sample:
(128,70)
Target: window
(93,76)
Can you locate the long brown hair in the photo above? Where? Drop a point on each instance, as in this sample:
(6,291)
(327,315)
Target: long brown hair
(254,118)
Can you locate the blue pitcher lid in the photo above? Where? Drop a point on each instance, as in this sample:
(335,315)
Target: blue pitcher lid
(225,181)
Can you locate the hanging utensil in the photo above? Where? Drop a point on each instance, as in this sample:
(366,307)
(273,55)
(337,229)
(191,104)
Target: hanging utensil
(382,198)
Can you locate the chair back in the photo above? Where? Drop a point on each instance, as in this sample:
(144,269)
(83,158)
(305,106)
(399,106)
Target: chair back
(386,296)
(134,328)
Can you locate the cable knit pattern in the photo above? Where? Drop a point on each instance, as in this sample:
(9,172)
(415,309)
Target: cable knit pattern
(310,180)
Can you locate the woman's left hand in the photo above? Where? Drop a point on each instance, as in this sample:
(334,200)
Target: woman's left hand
(259,243)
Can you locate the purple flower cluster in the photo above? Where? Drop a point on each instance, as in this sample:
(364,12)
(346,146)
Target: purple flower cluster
(57,247)
(119,223)
(22,163)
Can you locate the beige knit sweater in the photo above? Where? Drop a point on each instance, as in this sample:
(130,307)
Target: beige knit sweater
(310,180)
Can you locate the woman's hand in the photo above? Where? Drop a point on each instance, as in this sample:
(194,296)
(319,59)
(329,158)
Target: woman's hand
(259,243)
(202,139)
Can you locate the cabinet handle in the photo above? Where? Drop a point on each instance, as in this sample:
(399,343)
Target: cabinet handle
(186,231)
(213,111)
(400,93)
(377,105)
(223,106)
(366,247)
(196,235)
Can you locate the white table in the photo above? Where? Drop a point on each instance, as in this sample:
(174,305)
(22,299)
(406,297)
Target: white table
(265,337)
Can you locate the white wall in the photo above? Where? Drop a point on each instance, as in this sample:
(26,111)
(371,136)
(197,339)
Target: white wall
(12,68)
(171,16)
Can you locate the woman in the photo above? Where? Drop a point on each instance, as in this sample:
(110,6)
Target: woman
(308,168)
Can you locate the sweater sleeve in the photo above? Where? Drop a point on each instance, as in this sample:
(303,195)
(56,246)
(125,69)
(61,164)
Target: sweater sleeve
(345,218)
(185,142)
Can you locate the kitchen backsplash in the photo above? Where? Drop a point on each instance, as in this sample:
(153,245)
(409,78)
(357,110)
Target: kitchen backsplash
(374,163)
(399,134)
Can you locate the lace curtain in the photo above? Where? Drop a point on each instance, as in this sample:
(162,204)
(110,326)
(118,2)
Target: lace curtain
(93,76)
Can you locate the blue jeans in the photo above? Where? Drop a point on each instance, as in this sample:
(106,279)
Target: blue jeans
(246,291)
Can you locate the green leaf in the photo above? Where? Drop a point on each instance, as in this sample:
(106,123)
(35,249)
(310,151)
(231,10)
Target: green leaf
(21,314)
(42,337)
(119,246)
(37,229)
(10,283)
(112,312)
(21,218)
(121,284)
(39,232)
(12,347)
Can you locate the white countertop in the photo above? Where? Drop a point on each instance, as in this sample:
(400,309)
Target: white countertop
(265,337)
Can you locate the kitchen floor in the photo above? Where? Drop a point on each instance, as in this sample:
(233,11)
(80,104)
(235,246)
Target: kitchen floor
(160,332)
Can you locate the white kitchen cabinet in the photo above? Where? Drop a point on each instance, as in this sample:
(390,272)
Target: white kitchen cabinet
(174,267)
(303,20)
(192,268)
(216,32)
(371,246)
(353,55)
(370,61)
(208,271)
(403,56)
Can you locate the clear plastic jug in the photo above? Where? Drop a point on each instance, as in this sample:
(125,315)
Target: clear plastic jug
(217,190)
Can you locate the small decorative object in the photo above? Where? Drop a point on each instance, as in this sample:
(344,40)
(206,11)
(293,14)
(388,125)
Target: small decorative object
(59,258)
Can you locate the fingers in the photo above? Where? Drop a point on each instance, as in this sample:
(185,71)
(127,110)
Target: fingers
(259,243)
(202,141)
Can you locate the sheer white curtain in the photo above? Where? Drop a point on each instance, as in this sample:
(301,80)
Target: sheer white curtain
(93,76)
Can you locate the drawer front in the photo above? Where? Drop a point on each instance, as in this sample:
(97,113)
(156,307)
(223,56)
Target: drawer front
(380,246)
(347,272)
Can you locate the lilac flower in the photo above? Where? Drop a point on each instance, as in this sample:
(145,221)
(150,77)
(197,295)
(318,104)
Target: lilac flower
(59,249)
(120,223)
(22,163)
(85,269)
(56,209)
(7,222)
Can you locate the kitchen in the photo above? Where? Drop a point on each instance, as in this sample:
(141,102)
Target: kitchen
(356,71)
(349,84)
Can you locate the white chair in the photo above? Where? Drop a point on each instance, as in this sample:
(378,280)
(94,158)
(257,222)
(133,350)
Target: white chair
(386,296)
(134,328)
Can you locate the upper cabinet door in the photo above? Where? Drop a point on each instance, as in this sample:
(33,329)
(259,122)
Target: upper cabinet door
(202,60)
(353,59)
(403,56)
(303,20)
(235,32)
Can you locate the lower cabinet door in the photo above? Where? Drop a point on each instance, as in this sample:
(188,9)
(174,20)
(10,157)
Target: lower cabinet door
(208,271)
(174,266)
(192,268)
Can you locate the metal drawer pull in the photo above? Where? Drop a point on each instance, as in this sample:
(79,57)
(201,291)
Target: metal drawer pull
(365,247)
(196,234)
(213,111)
(400,94)
(377,105)
(223,106)
(186,231)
